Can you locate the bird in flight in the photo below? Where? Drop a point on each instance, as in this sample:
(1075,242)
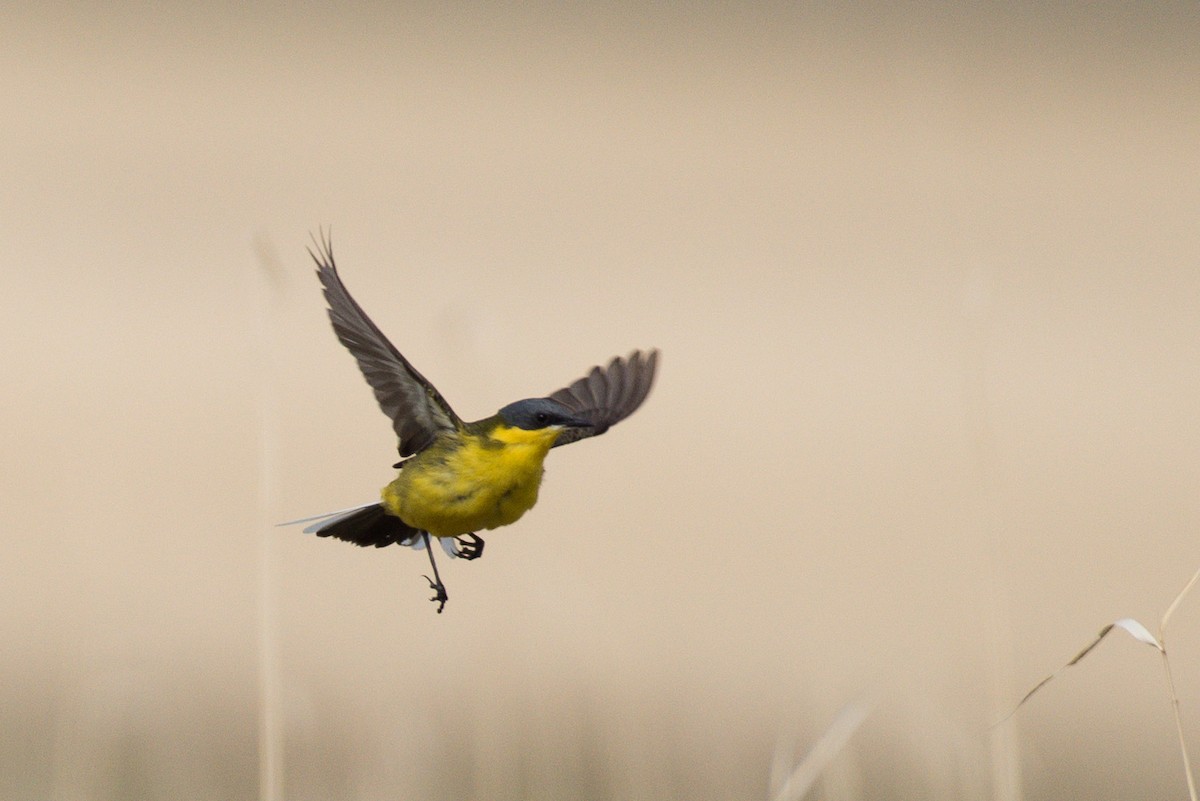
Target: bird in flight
(457,478)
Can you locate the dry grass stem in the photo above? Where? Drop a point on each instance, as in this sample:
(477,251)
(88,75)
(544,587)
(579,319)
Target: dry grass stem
(1142,635)
(830,744)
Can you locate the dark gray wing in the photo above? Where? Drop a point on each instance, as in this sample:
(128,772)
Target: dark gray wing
(418,410)
(607,395)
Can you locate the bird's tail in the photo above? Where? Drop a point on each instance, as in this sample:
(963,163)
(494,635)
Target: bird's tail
(368,525)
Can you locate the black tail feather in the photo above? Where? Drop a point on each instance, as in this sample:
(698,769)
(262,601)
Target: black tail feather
(371,526)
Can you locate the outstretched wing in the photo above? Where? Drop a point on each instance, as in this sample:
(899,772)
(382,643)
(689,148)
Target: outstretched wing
(418,410)
(607,395)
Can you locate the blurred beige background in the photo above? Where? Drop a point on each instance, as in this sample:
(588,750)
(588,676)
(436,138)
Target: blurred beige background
(926,284)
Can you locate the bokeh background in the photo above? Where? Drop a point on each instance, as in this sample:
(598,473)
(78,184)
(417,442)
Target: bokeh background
(926,279)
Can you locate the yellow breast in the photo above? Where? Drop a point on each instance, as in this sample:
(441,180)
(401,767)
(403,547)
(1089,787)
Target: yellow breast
(471,483)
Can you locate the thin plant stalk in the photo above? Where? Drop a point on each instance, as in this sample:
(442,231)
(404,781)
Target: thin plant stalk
(270,741)
(1187,764)
(1162,647)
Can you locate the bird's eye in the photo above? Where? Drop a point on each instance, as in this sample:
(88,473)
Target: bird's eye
(542,417)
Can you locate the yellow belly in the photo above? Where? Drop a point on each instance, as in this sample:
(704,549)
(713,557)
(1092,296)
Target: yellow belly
(483,483)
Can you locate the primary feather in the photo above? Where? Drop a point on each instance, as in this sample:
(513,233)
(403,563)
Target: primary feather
(418,411)
(607,395)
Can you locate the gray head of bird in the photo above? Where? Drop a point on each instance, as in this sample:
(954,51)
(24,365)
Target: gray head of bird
(535,414)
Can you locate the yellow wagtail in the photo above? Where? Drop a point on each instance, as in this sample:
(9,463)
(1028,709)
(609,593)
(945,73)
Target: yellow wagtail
(457,478)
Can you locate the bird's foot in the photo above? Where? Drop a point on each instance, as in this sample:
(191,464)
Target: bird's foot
(440,589)
(470,546)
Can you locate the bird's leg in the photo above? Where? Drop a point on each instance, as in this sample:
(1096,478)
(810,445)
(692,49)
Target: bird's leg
(470,546)
(435,583)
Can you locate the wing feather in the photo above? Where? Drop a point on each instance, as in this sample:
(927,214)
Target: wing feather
(418,411)
(607,395)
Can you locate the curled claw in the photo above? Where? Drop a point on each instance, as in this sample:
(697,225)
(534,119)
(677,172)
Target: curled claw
(470,546)
(441,597)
